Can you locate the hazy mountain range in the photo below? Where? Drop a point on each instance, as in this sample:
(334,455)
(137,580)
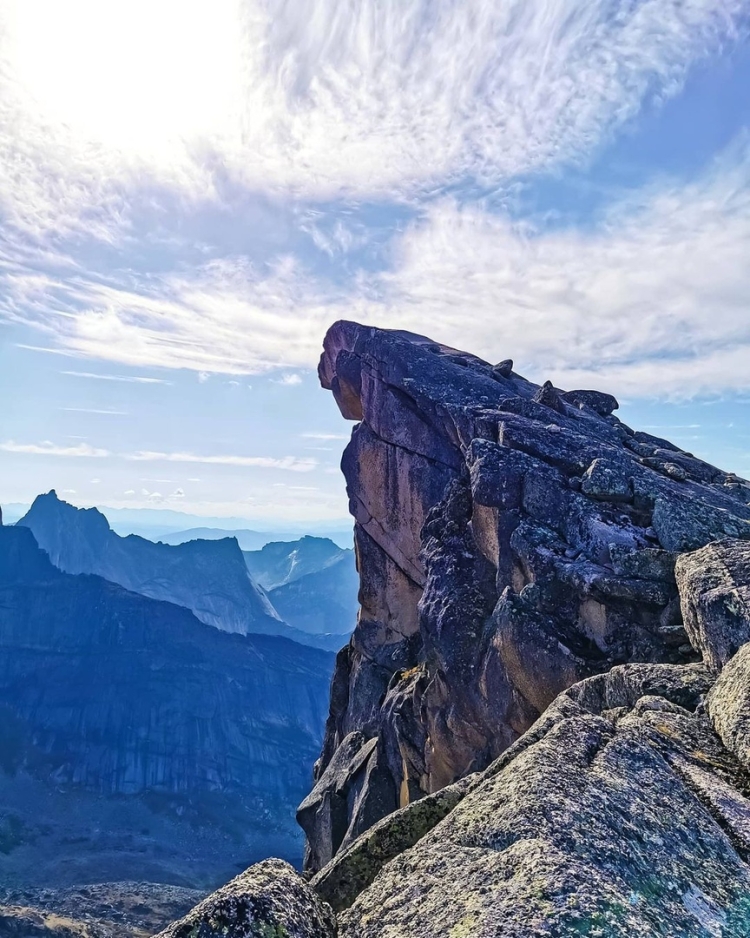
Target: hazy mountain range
(211,577)
(137,742)
(176,527)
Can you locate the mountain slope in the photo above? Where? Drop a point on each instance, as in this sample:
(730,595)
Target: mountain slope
(323,601)
(208,577)
(107,695)
(282,562)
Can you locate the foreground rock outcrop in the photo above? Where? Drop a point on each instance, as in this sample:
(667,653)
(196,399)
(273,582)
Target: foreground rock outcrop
(267,901)
(512,540)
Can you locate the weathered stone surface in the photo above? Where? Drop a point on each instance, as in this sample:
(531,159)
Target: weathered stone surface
(714,585)
(603,404)
(619,814)
(728,705)
(511,541)
(607,480)
(353,869)
(269,900)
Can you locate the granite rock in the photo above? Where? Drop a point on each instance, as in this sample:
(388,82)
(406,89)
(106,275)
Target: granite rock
(269,900)
(511,541)
(714,585)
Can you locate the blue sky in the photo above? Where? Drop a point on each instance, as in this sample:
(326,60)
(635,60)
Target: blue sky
(192,192)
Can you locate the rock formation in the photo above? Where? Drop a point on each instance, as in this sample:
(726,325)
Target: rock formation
(511,540)
(540,726)
(267,901)
(208,577)
(108,698)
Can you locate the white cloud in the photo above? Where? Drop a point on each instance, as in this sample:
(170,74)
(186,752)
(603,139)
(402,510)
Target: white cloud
(51,449)
(135,379)
(317,97)
(178,493)
(651,300)
(291,463)
(129,492)
(203,376)
(289,380)
(325,436)
(396,99)
(91,410)
(95,481)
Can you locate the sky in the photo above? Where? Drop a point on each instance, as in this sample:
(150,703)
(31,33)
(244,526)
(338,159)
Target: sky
(192,191)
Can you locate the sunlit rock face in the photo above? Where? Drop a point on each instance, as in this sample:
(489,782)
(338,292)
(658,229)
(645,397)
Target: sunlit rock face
(511,541)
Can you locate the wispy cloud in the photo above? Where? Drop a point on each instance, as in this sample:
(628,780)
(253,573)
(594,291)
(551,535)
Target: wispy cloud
(52,449)
(290,463)
(129,379)
(622,303)
(394,100)
(92,410)
(325,436)
(317,97)
(289,380)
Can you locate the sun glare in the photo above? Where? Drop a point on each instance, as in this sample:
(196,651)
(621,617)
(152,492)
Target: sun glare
(137,76)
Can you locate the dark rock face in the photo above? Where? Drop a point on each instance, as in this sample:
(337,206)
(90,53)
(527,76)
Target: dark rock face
(511,541)
(108,692)
(267,901)
(208,577)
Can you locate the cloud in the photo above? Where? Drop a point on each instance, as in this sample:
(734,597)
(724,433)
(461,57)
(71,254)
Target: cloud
(290,463)
(129,492)
(289,380)
(397,101)
(47,448)
(648,299)
(178,493)
(91,410)
(318,98)
(135,379)
(325,436)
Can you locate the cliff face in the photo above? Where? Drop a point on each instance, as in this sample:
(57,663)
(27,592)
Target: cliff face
(107,692)
(511,540)
(208,577)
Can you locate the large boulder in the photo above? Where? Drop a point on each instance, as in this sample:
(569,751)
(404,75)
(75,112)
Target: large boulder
(511,540)
(270,900)
(714,585)
(728,704)
(619,814)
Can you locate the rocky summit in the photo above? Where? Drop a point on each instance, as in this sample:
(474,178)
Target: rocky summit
(540,725)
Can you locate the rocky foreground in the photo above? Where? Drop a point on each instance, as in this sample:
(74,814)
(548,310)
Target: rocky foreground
(540,726)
